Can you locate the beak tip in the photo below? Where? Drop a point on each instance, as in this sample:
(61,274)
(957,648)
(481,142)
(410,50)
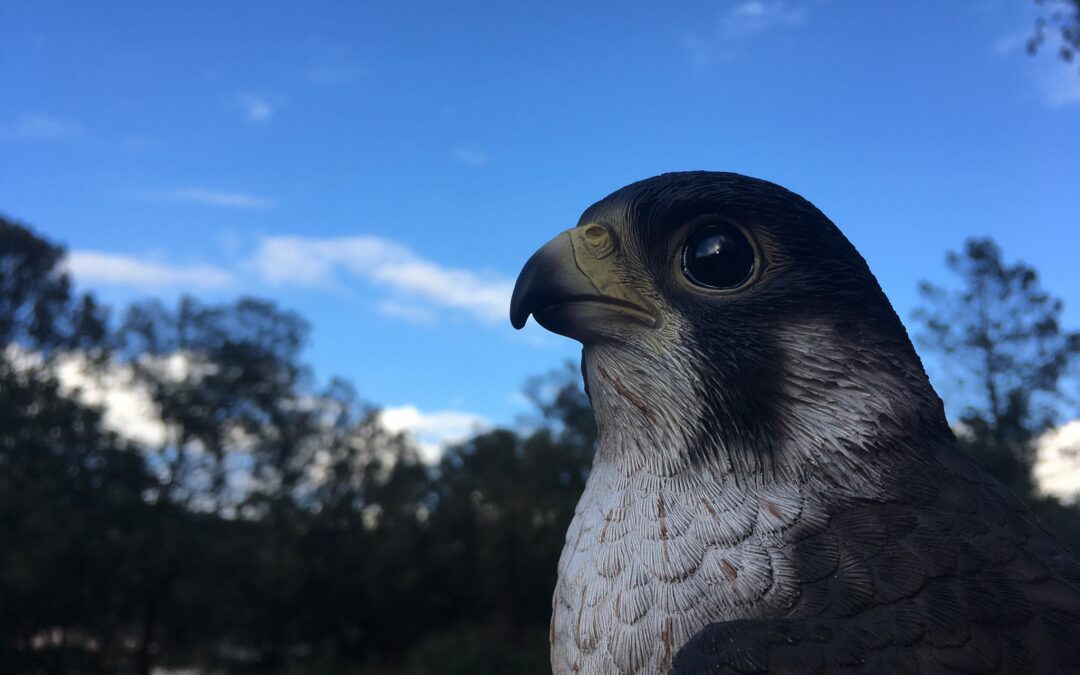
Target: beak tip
(520,305)
(542,278)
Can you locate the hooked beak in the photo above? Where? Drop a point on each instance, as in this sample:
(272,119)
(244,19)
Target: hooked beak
(571,287)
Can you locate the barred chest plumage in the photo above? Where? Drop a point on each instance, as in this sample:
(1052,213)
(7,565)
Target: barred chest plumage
(650,560)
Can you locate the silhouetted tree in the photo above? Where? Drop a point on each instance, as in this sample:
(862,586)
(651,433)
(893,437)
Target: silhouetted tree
(71,506)
(70,513)
(34,291)
(38,311)
(1061,18)
(1003,344)
(277,526)
(503,502)
(1000,339)
(222,377)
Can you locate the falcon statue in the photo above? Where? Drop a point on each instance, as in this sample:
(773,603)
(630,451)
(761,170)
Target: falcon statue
(776,488)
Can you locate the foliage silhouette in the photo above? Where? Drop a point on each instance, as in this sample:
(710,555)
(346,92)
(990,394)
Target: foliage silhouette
(1008,357)
(276,526)
(1062,17)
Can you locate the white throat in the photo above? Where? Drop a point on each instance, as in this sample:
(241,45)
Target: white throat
(659,548)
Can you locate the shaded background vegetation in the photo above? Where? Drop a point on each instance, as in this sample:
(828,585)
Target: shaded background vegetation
(277,527)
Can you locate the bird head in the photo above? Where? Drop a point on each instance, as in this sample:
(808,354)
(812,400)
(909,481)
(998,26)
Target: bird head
(725,318)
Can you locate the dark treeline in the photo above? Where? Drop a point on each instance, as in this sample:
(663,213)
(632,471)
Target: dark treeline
(268,524)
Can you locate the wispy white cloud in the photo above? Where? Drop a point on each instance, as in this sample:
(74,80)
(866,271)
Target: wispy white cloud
(754,16)
(42,128)
(408,286)
(433,431)
(423,316)
(739,22)
(119,270)
(1055,81)
(470,155)
(1057,462)
(1060,85)
(1010,43)
(701,50)
(257,108)
(415,282)
(128,408)
(207,197)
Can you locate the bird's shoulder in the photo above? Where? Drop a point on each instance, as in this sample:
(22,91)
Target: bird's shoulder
(945,571)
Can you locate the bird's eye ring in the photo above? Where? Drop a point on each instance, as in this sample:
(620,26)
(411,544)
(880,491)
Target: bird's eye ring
(718,255)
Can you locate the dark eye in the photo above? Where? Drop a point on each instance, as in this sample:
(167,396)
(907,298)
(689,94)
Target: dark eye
(718,256)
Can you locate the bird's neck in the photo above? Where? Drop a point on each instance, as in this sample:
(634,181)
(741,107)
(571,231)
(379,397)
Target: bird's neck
(828,410)
(644,416)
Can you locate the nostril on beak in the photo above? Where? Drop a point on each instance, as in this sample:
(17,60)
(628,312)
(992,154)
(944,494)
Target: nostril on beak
(598,240)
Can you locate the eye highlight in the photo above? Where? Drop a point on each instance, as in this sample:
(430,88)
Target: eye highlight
(718,255)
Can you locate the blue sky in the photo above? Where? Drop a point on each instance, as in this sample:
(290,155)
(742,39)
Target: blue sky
(386,168)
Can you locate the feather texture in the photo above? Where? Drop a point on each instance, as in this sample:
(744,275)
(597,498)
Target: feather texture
(776,489)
